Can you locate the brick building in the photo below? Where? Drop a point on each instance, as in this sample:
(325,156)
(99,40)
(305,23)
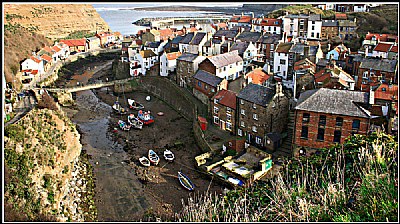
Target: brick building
(186,66)
(329,29)
(374,70)
(206,85)
(261,110)
(267,44)
(223,110)
(324,117)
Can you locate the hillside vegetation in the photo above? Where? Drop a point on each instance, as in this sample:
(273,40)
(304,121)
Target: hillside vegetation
(356,182)
(302,9)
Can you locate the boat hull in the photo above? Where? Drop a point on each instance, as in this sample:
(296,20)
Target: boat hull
(185,181)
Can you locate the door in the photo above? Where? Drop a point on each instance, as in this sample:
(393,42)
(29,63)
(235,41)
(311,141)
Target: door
(222,124)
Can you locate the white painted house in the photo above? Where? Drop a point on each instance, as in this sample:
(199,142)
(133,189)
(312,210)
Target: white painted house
(33,63)
(247,51)
(281,60)
(168,62)
(196,44)
(227,66)
(314,27)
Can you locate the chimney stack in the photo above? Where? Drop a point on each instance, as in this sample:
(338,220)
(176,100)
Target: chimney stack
(371,96)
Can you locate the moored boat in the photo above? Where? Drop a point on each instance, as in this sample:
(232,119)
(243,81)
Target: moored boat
(185,181)
(168,155)
(144,161)
(123,125)
(145,117)
(135,105)
(118,108)
(135,122)
(153,157)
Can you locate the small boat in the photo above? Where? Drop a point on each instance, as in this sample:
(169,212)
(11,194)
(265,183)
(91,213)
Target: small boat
(124,126)
(153,157)
(145,117)
(168,155)
(135,122)
(160,113)
(118,108)
(135,105)
(144,161)
(185,181)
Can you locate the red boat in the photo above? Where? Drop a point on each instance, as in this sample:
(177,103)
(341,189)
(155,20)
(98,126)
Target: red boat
(145,117)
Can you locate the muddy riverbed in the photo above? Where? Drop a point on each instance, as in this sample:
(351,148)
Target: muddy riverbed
(125,190)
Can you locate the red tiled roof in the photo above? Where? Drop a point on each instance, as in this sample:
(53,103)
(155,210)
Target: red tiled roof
(46,57)
(173,55)
(26,70)
(35,59)
(271,22)
(257,76)
(340,16)
(234,19)
(381,37)
(222,25)
(226,98)
(56,49)
(322,75)
(74,42)
(304,64)
(245,19)
(394,49)
(382,47)
(192,29)
(388,93)
(34,72)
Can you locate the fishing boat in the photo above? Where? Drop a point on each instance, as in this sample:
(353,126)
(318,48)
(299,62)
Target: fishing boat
(123,125)
(185,181)
(145,117)
(135,122)
(144,161)
(118,108)
(153,157)
(135,105)
(168,155)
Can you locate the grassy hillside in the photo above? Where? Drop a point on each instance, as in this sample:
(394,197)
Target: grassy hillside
(19,43)
(356,182)
(302,9)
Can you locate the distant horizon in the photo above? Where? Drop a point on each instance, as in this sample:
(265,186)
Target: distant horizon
(136,5)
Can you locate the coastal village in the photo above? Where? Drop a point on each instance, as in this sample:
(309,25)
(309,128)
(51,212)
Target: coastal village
(209,105)
(280,87)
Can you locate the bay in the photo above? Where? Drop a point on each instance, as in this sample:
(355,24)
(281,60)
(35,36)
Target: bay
(120,16)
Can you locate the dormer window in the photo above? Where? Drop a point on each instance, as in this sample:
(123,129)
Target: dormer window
(384,89)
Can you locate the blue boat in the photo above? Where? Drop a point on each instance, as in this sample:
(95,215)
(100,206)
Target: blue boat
(185,181)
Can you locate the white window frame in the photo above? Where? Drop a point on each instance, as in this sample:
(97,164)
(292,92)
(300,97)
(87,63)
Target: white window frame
(228,110)
(241,101)
(229,117)
(228,126)
(216,120)
(258,140)
(240,132)
(242,111)
(242,124)
(254,106)
(255,117)
(216,109)
(254,128)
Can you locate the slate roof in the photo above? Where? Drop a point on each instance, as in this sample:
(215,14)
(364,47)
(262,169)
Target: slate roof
(347,23)
(379,64)
(322,62)
(177,39)
(302,16)
(269,39)
(240,47)
(198,38)
(226,98)
(249,36)
(216,41)
(333,101)
(297,48)
(208,78)
(284,47)
(187,57)
(257,94)
(226,33)
(187,38)
(275,137)
(315,17)
(153,44)
(222,60)
(329,23)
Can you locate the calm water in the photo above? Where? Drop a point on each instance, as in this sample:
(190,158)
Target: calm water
(120,16)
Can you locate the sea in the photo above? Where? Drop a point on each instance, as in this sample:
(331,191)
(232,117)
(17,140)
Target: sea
(121,16)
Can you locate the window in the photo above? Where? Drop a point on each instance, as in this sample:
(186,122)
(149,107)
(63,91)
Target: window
(279,68)
(199,83)
(228,110)
(356,124)
(258,140)
(212,90)
(224,68)
(312,34)
(242,112)
(216,120)
(241,102)
(336,136)
(216,110)
(282,62)
(255,117)
(322,120)
(313,22)
(339,121)
(304,132)
(254,129)
(383,89)
(205,86)
(254,106)
(321,133)
(228,117)
(242,123)
(240,133)
(306,117)
(228,126)
(215,101)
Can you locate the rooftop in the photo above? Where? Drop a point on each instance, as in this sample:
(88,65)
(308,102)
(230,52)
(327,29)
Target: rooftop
(208,78)
(257,94)
(228,58)
(226,98)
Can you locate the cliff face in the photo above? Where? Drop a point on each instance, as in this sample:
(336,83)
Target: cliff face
(55,20)
(46,174)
